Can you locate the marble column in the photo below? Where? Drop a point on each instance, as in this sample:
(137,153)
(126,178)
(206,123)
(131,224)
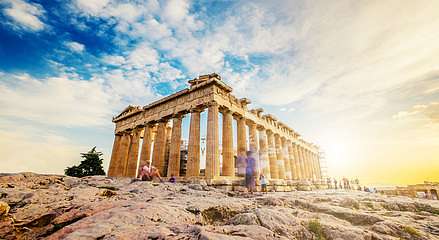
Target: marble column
(114,162)
(319,166)
(145,153)
(302,162)
(133,154)
(293,168)
(158,153)
(123,154)
(274,172)
(193,157)
(286,156)
(174,151)
(279,157)
(212,151)
(242,146)
(263,154)
(310,164)
(227,152)
(253,135)
(298,170)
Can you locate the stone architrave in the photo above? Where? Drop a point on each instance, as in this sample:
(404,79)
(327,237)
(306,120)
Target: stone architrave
(193,159)
(158,154)
(212,151)
(174,152)
(133,154)
(263,154)
(227,151)
(145,153)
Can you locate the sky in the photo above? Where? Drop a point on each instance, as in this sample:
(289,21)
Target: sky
(358,78)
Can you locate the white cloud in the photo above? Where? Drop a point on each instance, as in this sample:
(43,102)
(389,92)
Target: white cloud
(25,15)
(56,100)
(92,7)
(113,60)
(75,46)
(421,112)
(142,56)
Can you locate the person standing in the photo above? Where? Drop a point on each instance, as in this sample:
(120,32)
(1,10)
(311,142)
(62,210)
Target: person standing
(263,182)
(250,171)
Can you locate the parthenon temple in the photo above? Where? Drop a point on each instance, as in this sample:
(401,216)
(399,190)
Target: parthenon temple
(152,134)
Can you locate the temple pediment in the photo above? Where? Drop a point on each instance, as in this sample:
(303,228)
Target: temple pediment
(128,111)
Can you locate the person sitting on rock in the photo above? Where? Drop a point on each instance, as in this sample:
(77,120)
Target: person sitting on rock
(172,179)
(148,172)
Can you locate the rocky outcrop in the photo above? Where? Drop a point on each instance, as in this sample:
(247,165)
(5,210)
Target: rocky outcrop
(58,207)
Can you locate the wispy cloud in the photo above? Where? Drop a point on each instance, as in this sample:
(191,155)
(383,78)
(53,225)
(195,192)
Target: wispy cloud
(24,15)
(75,46)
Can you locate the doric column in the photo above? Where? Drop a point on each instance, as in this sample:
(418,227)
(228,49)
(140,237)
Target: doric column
(319,169)
(308,164)
(174,151)
(286,156)
(227,151)
(263,154)
(298,172)
(253,135)
(242,145)
(158,154)
(302,162)
(212,152)
(274,172)
(114,162)
(291,159)
(193,156)
(123,154)
(145,153)
(279,157)
(133,154)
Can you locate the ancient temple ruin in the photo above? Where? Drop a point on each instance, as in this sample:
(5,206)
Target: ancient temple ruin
(281,154)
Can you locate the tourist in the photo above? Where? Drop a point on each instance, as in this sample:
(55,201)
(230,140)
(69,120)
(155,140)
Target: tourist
(335,183)
(263,182)
(172,179)
(250,170)
(148,172)
(328,182)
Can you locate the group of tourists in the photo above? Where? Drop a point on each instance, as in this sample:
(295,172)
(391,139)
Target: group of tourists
(344,183)
(148,172)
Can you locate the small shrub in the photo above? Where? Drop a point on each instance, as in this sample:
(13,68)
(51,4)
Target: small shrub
(412,231)
(315,227)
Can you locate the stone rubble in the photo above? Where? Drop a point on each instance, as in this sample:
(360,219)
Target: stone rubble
(36,206)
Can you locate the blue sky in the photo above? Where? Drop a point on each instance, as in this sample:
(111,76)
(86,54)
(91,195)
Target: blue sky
(350,76)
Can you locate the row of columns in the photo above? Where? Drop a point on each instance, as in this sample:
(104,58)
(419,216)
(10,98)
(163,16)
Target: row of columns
(276,157)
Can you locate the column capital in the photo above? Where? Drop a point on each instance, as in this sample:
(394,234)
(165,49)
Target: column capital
(224,109)
(212,104)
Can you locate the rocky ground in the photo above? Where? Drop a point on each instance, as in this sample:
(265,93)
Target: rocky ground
(58,207)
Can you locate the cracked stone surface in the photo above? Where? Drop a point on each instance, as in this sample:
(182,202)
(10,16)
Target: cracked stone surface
(36,206)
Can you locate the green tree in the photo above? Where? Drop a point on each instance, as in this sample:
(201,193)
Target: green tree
(90,165)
